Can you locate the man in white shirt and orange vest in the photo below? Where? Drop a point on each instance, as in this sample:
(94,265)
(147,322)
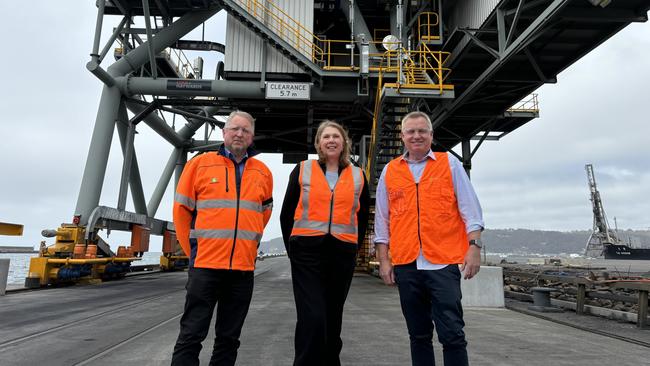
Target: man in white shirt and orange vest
(428,221)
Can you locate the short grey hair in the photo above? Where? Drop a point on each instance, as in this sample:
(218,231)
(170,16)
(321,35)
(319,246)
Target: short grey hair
(238,113)
(414,115)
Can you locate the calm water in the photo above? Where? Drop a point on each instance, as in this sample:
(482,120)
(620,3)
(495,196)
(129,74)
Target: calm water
(19,264)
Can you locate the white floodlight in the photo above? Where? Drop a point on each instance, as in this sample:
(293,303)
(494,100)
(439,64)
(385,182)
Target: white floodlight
(390,42)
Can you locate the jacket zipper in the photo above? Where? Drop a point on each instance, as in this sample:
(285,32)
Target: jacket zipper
(417,203)
(234,238)
(226,178)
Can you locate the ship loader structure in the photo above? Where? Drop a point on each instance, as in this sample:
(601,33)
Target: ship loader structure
(471,65)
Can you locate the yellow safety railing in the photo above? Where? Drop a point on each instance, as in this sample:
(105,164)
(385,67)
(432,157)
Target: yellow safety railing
(426,23)
(181,63)
(529,104)
(373,134)
(329,54)
(286,27)
(416,64)
(332,54)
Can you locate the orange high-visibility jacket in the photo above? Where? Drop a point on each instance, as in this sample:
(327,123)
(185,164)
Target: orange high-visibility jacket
(322,210)
(217,227)
(424,215)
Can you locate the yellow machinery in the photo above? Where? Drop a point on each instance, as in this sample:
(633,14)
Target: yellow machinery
(73,258)
(11,229)
(172,257)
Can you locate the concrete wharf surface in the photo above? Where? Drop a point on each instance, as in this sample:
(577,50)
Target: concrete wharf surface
(135,321)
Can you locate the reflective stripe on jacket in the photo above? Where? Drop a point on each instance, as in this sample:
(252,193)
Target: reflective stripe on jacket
(424,215)
(322,210)
(217,226)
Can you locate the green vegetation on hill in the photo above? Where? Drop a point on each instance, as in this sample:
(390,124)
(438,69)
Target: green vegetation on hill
(526,241)
(272,246)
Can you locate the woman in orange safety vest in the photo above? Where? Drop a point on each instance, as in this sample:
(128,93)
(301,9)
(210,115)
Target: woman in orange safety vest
(324,218)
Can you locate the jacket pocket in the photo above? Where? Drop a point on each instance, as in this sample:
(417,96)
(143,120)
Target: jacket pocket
(397,202)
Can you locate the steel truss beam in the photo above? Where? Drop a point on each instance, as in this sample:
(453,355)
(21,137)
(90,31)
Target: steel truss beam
(107,114)
(534,30)
(342,92)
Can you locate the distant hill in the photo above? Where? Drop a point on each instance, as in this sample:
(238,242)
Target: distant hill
(272,246)
(526,241)
(17,249)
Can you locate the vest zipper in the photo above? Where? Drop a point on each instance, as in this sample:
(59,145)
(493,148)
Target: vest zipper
(227,178)
(234,238)
(417,203)
(329,224)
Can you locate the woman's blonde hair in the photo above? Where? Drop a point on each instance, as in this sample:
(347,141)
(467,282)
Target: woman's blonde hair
(344,159)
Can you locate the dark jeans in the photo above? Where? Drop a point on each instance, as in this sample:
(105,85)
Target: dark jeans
(433,297)
(231,292)
(321,271)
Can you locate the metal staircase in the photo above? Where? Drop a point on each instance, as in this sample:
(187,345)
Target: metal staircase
(285,34)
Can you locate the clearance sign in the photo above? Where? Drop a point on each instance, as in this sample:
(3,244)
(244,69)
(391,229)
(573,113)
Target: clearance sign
(287,90)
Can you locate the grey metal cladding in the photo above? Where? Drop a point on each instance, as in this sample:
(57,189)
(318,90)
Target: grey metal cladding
(244,47)
(471,14)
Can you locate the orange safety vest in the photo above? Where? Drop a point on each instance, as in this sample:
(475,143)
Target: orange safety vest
(424,215)
(322,210)
(216,227)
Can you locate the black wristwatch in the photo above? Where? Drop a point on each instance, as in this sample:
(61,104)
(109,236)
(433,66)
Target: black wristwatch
(476,242)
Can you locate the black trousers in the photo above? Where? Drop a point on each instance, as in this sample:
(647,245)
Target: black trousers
(231,292)
(321,271)
(431,297)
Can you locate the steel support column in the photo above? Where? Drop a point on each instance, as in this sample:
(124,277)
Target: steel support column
(467,156)
(180,165)
(128,152)
(163,182)
(360,25)
(135,181)
(100,145)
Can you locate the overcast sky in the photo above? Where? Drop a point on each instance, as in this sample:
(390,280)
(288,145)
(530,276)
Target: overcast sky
(533,178)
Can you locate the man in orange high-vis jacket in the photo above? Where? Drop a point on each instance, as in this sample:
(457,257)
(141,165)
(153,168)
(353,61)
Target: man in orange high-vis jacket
(223,202)
(427,216)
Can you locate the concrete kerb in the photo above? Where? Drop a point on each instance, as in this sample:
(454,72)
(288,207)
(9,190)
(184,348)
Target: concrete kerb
(4,273)
(485,289)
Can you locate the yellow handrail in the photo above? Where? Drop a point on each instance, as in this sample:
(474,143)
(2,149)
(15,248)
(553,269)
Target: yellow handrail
(424,21)
(326,52)
(296,34)
(530,104)
(373,142)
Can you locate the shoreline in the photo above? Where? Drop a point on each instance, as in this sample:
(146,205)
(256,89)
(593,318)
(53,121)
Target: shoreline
(17,250)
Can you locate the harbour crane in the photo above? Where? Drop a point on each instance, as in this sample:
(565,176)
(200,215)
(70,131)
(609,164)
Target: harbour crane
(601,234)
